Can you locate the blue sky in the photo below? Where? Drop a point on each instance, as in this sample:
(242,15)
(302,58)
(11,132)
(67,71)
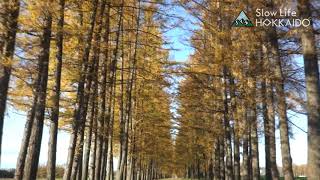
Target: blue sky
(12,136)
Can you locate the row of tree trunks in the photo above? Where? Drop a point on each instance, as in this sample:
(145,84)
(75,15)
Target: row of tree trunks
(128,108)
(100,162)
(80,110)
(112,92)
(31,144)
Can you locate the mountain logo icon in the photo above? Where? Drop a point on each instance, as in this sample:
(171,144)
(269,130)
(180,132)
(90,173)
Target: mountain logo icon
(242,21)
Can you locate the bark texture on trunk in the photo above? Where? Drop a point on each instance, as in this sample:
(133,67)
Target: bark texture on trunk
(51,164)
(269,117)
(272,130)
(25,142)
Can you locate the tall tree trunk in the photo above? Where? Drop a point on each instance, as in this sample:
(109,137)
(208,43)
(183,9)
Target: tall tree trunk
(254,133)
(51,164)
(11,10)
(266,123)
(125,124)
(254,146)
(272,130)
(104,162)
(237,170)
(88,142)
(311,69)
(217,161)
(94,147)
(227,132)
(253,119)
(121,104)
(25,141)
(269,118)
(235,129)
(246,159)
(282,106)
(90,150)
(272,38)
(221,156)
(31,166)
(105,70)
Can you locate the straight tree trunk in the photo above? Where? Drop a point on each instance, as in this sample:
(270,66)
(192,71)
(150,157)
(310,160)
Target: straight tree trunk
(229,165)
(107,76)
(269,118)
(31,166)
(121,104)
(254,145)
(311,69)
(252,118)
(11,8)
(237,170)
(266,124)
(272,129)
(51,164)
(282,107)
(102,93)
(94,147)
(88,142)
(25,141)
(221,156)
(246,160)
(254,134)
(235,129)
(217,161)
(104,162)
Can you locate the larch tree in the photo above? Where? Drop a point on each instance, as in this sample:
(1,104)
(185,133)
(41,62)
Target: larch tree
(51,165)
